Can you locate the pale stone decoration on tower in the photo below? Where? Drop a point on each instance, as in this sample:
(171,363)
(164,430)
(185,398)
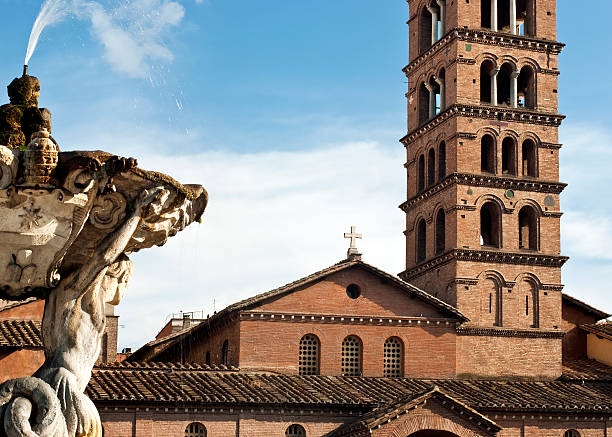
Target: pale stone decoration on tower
(68,221)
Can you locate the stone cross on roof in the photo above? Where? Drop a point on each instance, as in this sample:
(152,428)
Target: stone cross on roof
(352,251)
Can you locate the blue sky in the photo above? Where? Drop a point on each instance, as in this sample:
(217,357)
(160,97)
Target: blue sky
(289,113)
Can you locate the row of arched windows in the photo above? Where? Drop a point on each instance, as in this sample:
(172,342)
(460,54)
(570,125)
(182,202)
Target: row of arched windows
(510,156)
(506,85)
(518,308)
(434,173)
(516,17)
(196,429)
(490,230)
(352,356)
(509,16)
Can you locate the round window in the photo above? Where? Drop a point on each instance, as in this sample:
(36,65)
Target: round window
(353,291)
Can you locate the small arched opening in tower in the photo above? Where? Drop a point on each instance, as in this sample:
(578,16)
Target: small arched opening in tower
(421,241)
(423,104)
(487,154)
(526,88)
(528,228)
(525,17)
(485,14)
(431,167)
(504,85)
(491,297)
(487,76)
(421,175)
(425,30)
(509,156)
(440,81)
(440,231)
(530,167)
(503,16)
(442,161)
(490,225)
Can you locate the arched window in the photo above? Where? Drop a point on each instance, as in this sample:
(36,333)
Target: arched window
(526,88)
(421,175)
(421,249)
(528,298)
(425,30)
(487,78)
(393,359)
(503,16)
(490,225)
(225,353)
(295,431)
(528,228)
(195,429)
(440,80)
(442,161)
(208,360)
(525,13)
(487,154)
(434,97)
(440,231)
(504,84)
(490,292)
(423,104)
(509,156)
(529,158)
(431,167)
(571,433)
(309,355)
(485,14)
(351,356)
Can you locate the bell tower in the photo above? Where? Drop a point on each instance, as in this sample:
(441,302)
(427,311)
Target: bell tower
(482,209)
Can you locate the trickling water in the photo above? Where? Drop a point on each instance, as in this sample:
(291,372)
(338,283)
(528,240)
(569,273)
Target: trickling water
(50,12)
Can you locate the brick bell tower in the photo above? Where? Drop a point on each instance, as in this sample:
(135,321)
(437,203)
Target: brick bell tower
(482,209)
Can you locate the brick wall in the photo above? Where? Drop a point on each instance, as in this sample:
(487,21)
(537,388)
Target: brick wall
(223,422)
(575,340)
(429,350)
(508,357)
(210,338)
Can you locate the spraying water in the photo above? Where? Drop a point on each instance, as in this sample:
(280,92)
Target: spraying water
(50,12)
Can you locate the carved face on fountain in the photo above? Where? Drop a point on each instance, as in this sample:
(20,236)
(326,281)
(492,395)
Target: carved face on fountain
(117,279)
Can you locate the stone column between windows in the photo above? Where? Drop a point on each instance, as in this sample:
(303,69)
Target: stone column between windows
(434,24)
(513,17)
(494,15)
(440,82)
(493,74)
(432,100)
(442,4)
(514,88)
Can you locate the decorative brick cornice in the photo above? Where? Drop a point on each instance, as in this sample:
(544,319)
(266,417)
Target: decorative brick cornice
(485,256)
(498,113)
(489,181)
(508,332)
(340,319)
(553,146)
(489,37)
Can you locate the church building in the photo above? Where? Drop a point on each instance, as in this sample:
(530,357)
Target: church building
(476,336)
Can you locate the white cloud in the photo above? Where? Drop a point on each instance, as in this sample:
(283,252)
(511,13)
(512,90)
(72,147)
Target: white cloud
(273,217)
(587,236)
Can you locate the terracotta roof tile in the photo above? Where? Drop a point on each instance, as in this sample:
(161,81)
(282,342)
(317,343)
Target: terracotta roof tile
(582,370)
(602,329)
(20,333)
(148,383)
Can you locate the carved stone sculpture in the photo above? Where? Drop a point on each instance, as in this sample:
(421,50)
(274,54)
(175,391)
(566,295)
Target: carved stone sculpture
(68,222)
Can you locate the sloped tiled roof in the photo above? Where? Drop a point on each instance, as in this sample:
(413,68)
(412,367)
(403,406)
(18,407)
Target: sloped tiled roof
(8,304)
(254,301)
(583,370)
(20,333)
(602,329)
(145,383)
(393,411)
(586,307)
